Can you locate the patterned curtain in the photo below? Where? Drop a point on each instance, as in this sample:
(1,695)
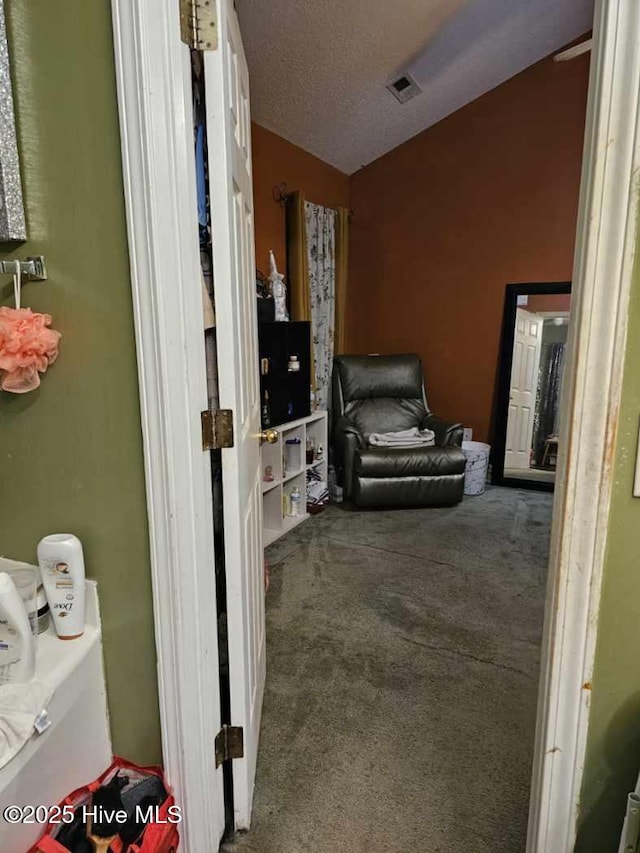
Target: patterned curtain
(321,259)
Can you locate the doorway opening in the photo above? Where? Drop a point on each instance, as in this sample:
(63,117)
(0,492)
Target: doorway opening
(381,618)
(384,617)
(167,272)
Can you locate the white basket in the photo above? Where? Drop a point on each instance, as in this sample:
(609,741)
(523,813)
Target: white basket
(475,472)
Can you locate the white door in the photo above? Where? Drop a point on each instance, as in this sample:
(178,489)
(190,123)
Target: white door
(522,393)
(231,199)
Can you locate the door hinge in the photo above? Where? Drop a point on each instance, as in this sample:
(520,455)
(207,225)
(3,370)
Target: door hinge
(229,744)
(199,24)
(217,429)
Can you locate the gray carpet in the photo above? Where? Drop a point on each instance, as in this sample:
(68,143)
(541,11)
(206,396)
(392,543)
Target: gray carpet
(403,656)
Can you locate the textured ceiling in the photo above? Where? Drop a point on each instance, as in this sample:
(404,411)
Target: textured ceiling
(319,68)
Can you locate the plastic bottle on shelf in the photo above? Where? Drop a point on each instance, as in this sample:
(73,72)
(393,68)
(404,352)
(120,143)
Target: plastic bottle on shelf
(292,455)
(310,450)
(295,502)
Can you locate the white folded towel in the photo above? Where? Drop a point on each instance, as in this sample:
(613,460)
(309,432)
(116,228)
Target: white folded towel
(404,438)
(20,706)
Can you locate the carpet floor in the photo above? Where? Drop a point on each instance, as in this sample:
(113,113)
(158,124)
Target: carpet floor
(403,658)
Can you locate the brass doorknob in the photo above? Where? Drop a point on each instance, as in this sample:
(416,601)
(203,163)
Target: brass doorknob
(271,436)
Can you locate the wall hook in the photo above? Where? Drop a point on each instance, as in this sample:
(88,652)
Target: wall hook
(32,268)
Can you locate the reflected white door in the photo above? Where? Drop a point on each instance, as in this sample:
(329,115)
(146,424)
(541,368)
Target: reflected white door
(231,195)
(522,393)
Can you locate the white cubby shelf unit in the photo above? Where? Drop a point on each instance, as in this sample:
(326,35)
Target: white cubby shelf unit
(275,522)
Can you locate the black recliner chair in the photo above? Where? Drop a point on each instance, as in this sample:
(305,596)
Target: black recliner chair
(385,393)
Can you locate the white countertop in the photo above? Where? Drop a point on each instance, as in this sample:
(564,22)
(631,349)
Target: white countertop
(70,668)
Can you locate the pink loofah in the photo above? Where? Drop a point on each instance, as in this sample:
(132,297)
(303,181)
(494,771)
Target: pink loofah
(27,348)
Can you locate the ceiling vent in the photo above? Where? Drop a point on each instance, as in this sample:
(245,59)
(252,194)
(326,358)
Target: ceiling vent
(404,88)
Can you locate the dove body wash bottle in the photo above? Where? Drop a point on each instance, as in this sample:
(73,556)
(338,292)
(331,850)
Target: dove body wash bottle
(61,564)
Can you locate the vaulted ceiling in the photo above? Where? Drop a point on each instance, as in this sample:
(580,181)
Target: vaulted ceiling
(319,68)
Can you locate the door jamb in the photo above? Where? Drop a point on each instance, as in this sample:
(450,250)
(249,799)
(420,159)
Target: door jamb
(153,79)
(602,275)
(160,214)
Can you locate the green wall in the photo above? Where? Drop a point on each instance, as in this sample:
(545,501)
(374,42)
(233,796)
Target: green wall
(71,452)
(613,747)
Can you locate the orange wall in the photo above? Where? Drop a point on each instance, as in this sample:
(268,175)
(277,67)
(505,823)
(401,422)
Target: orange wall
(276,161)
(441,224)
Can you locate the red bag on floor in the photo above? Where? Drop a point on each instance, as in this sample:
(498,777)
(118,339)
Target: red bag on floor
(160,834)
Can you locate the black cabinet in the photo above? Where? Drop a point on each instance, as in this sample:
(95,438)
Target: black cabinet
(284,393)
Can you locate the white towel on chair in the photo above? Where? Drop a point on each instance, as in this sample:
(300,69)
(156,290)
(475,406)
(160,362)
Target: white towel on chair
(404,438)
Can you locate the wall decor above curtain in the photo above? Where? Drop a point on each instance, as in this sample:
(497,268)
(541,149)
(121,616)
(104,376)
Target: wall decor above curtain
(317,244)
(12,219)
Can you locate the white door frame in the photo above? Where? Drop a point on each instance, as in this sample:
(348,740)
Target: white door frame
(157,154)
(156,127)
(602,275)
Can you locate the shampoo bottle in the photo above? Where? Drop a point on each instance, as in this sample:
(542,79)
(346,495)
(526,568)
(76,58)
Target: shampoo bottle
(17,644)
(62,566)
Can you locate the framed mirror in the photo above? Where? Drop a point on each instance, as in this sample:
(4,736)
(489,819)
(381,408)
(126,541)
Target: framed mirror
(530,373)
(12,220)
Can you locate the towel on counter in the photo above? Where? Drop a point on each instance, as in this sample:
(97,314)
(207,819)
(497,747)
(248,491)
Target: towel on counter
(20,707)
(405,438)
